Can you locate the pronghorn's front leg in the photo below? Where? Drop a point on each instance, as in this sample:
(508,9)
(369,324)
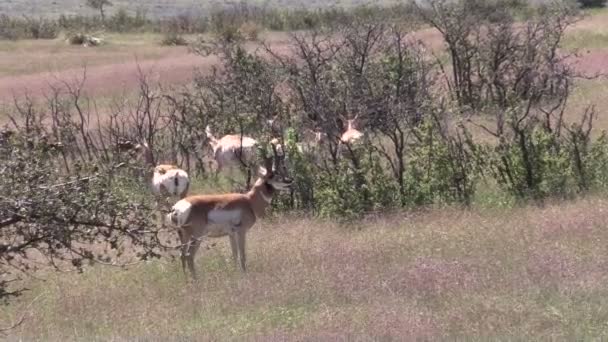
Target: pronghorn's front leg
(184,239)
(233,246)
(193,246)
(240,240)
(160,210)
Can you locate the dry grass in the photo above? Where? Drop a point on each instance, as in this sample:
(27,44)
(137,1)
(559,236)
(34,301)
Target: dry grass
(525,273)
(589,33)
(35,56)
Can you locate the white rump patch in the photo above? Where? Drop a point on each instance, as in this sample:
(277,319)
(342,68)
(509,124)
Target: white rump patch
(220,216)
(168,181)
(180,213)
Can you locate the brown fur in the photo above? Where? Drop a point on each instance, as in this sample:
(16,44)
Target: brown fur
(163,168)
(250,206)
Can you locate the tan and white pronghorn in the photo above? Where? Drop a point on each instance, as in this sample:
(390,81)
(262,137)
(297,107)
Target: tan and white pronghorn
(352,132)
(231,149)
(168,181)
(200,216)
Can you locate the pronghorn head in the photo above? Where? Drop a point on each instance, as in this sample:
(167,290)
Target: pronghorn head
(274,172)
(125,145)
(213,142)
(146,152)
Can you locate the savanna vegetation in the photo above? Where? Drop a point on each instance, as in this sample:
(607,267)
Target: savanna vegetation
(472,206)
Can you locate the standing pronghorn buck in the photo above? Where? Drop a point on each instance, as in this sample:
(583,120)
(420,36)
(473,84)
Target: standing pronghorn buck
(168,181)
(218,215)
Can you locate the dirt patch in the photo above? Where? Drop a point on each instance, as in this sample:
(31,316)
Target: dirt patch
(592,62)
(117,78)
(110,77)
(105,80)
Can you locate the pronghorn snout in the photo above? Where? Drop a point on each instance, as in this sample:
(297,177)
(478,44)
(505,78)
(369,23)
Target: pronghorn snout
(282,185)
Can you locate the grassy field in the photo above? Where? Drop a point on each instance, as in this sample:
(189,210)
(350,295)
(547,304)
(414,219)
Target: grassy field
(37,56)
(154,8)
(524,273)
(494,271)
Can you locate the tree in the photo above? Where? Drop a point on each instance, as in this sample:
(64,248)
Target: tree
(62,215)
(99,5)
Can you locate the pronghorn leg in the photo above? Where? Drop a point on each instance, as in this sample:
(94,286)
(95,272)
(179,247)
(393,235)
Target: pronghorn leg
(219,166)
(233,246)
(194,244)
(184,241)
(160,213)
(240,239)
(248,178)
(185,192)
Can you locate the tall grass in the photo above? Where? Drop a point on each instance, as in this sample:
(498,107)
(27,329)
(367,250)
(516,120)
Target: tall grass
(524,273)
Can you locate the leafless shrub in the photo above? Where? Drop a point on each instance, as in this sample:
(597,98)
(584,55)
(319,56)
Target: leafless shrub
(69,195)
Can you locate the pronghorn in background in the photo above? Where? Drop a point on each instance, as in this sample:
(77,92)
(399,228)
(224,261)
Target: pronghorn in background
(235,149)
(352,133)
(231,149)
(167,180)
(232,215)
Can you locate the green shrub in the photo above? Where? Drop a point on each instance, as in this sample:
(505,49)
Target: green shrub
(534,164)
(595,164)
(592,3)
(440,170)
(173,39)
(43,29)
(337,193)
(27,28)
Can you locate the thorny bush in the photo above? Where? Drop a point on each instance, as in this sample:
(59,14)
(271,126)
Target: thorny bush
(69,218)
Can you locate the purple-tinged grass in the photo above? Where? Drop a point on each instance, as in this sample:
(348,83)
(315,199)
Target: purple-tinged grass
(521,273)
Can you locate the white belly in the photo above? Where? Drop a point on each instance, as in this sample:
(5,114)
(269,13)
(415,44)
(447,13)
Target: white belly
(227,217)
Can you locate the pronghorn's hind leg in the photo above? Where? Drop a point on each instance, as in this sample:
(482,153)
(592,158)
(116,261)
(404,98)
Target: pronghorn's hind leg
(185,192)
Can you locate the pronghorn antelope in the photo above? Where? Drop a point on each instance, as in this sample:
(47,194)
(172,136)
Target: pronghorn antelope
(218,215)
(319,137)
(352,132)
(231,149)
(167,180)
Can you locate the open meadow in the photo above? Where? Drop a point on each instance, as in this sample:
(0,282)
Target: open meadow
(473,247)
